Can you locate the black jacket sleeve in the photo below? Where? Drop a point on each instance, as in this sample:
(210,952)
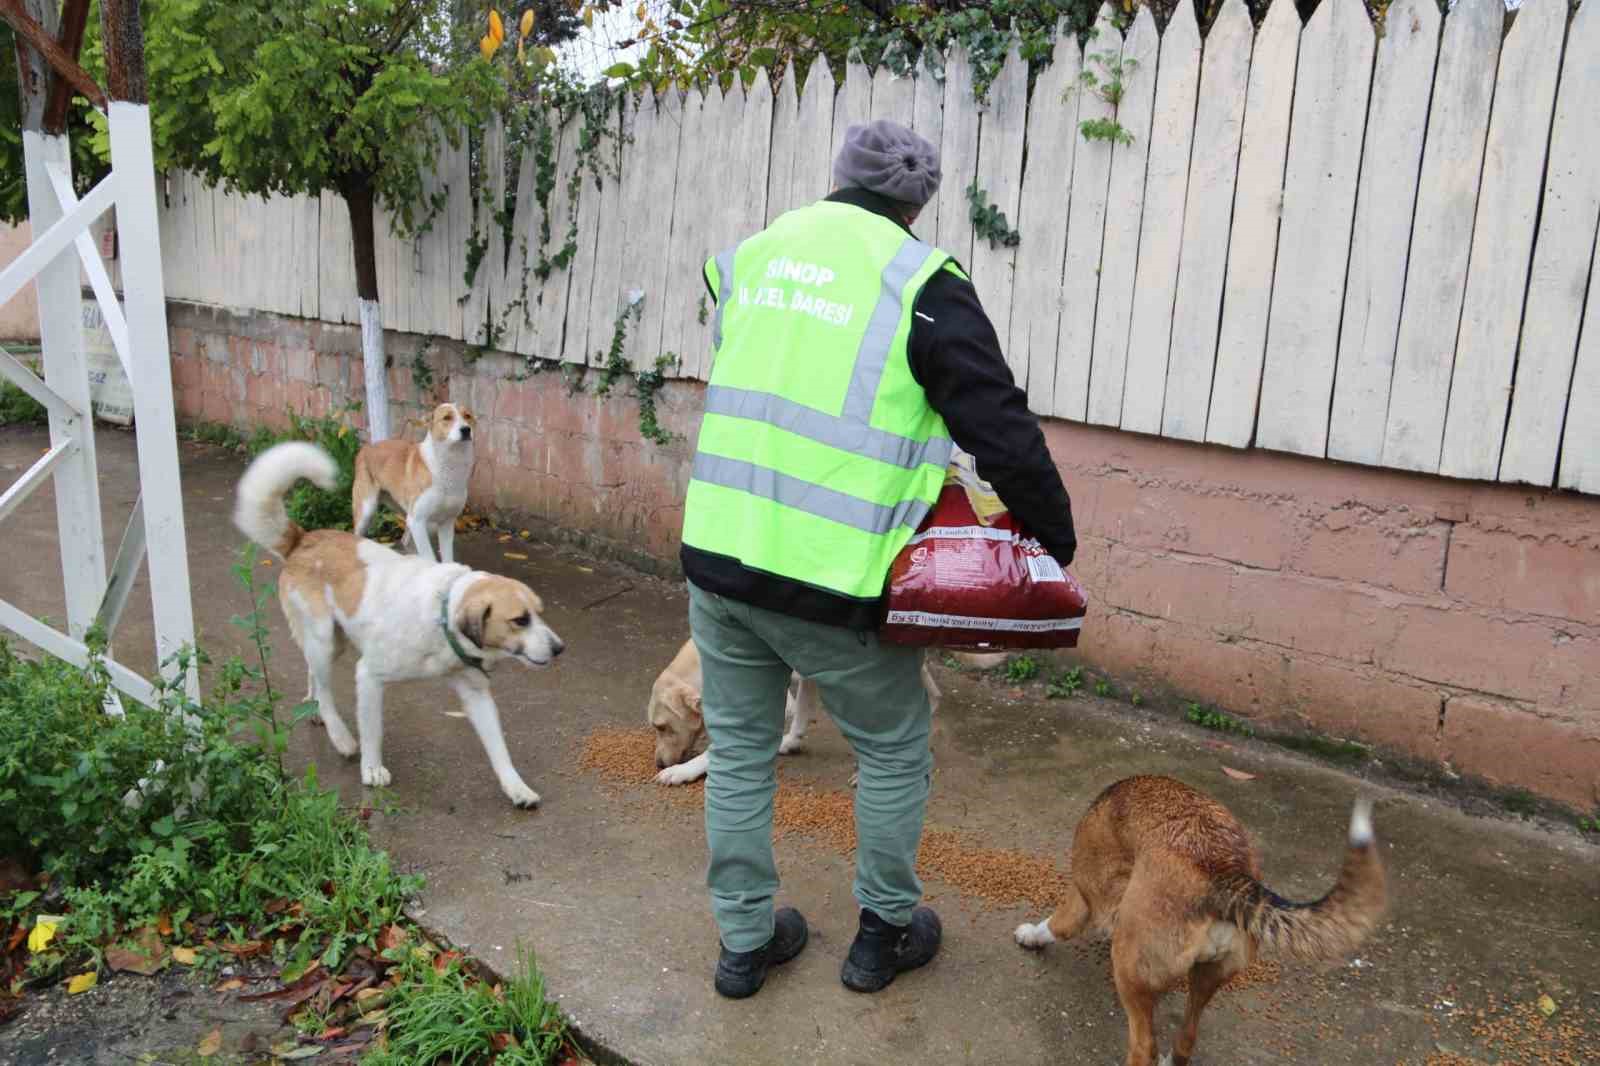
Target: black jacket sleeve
(957,360)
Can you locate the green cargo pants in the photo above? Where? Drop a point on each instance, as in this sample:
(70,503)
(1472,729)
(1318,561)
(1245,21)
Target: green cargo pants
(874,692)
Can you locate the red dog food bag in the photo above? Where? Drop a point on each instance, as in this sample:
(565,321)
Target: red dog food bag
(973,579)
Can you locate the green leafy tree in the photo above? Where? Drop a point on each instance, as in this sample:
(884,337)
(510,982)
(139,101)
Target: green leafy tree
(305,96)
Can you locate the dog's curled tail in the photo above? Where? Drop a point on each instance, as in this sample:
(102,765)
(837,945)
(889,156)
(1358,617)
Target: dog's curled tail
(1329,928)
(259,513)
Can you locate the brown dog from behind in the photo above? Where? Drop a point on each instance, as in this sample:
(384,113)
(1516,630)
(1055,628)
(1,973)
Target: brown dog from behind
(1172,876)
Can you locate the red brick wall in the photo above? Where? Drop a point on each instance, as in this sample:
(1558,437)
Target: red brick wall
(1450,620)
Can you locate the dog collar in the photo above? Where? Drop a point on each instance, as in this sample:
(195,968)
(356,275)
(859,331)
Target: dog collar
(473,661)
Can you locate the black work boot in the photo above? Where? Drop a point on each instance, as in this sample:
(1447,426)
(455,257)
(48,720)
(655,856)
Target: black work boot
(742,973)
(882,951)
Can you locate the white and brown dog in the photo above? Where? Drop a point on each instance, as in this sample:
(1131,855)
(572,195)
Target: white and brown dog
(427,480)
(675,713)
(408,617)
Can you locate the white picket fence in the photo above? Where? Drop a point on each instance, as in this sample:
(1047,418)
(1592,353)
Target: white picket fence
(1370,247)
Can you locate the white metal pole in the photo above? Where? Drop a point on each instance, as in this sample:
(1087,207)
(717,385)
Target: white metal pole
(144,294)
(66,371)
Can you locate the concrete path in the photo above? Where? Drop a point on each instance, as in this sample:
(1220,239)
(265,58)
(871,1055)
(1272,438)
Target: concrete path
(605,881)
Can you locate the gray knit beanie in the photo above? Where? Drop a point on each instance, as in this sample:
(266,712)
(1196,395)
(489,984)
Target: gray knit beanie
(886,158)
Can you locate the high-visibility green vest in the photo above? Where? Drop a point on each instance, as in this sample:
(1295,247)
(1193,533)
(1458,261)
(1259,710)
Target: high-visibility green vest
(819,454)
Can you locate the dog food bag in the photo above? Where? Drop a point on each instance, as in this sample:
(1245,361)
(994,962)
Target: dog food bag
(973,579)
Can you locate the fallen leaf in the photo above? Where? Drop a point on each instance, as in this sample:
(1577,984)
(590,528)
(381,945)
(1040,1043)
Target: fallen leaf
(211,1044)
(524,534)
(443,960)
(129,960)
(18,935)
(1547,1006)
(505,539)
(290,1050)
(502,1041)
(246,949)
(164,924)
(333,1032)
(367,993)
(391,936)
(277,906)
(42,934)
(515,555)
(587,569)
(187,956)
(232,984)
(82,983)
(1238,775)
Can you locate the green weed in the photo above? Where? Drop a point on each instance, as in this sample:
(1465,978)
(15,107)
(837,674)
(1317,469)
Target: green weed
(1219,721)
(1103,689)
(1329,748)
(1590,824)
(440,1014)
(1065,684)
(17,408)
(1021,669)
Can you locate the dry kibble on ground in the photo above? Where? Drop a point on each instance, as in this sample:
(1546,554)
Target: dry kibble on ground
(999,877)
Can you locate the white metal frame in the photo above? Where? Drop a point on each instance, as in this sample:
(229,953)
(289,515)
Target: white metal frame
(138,329)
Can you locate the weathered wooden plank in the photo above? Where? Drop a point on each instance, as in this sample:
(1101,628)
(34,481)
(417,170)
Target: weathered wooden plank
(785,131)
(1441,235)
(1038,298)
(1086,226)
(711,234)
(336,279)
(1330,116)
(308,208)
(958,157)
(491,197)
(460,211)
(651,271)
(549,322)
(813,159)
(894,97)
(1253,236)
(1502,240)
(1119,258)
(755,150)
(612,237)
(1385,203)
(852,106)
(527,220)
(1561,261)
(927,119)
(1003,125)
(1166,195)
(683,284)
(1213,172)
(1580,444)
(576,346)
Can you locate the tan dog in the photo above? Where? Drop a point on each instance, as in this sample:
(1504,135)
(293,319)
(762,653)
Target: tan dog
(407,617)
(1172,876)
(674,712)
(427,480)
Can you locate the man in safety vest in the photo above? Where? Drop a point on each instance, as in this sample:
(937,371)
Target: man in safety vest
(849,356)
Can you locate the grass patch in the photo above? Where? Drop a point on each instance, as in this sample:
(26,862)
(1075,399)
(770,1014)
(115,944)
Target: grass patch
(223,857)
(1343,752)
(1021,669)
(312,507)
(17,408)
(1218,721)
(1065,684)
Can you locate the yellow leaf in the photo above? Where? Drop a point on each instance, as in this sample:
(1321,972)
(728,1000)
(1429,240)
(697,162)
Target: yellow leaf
(588,17)
(640,12)
(521,56)
(488,46)
(1547,1006)
(211,1044)
(515,555)
(527,22)
(186,956)
(41,936)
(497,29)
(82,983)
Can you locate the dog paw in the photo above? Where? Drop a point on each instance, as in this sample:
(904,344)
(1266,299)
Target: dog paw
(375,776)
(791,745)
(345,744)
(681,774)
(523,796)
(1166,1060)
(1036,936)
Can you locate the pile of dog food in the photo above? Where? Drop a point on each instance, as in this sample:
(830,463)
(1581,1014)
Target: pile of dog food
(825,817)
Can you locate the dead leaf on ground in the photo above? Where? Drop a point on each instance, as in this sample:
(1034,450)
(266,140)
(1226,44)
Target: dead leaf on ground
(516,555)
(291,1051)
(187,956)
(232,984)
(245,950)
(392,936)
(1547,1006)
(211,1044)
(133,960)
(164,924)
(82,983)
(1238,775)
